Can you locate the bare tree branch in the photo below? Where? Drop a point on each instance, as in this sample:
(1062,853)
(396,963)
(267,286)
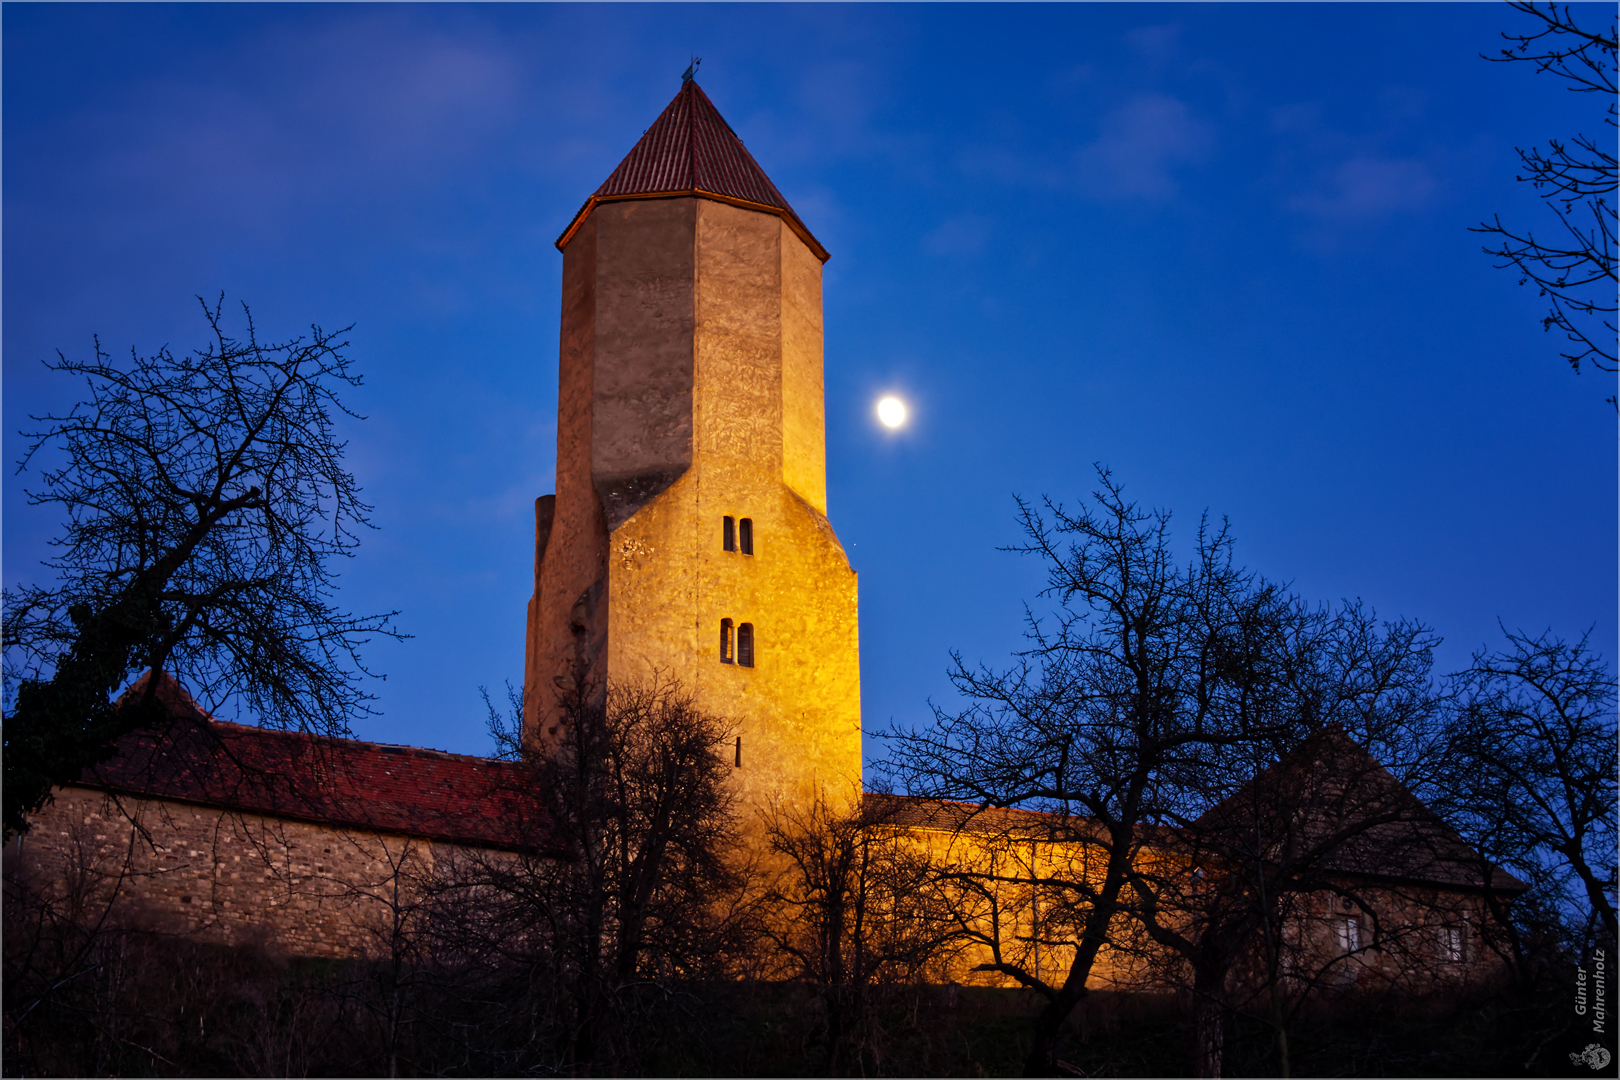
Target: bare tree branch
(205,499)
(1575,270)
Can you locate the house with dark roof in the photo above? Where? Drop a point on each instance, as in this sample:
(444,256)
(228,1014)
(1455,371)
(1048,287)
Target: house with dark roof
(1367,886)
(1323,871)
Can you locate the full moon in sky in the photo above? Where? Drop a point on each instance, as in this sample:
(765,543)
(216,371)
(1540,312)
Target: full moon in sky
(891,412)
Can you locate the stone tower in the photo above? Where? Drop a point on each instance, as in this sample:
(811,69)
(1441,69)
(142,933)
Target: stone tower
(688,537)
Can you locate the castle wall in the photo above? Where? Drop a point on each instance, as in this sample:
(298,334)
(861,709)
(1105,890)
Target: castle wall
(570,577)
(758,360)
(231,878)
(804,421)
(1408,940)
(1007,917)
(321,890)
(642,372)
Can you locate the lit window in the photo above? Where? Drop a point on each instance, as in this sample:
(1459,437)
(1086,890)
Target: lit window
(745,535)
(725,638)
(1347,935)
(745,644)
(728,534)
(1451,944)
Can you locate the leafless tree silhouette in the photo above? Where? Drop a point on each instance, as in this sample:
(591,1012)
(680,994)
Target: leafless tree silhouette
(1532,780)
(852,909)
(637,792)
(1132,713)
(205,498)
(1575,270)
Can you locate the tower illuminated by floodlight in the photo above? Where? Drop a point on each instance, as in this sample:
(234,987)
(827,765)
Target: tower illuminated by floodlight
(688,537)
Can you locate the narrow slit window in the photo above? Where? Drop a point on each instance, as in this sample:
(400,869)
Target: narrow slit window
(728,533)
(739,751)
(745,535)
(725,639)
(745,644)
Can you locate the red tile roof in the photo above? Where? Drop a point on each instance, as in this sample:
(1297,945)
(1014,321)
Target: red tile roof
(691,150)
(453,798)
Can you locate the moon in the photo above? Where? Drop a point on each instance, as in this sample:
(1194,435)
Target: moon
(891,412)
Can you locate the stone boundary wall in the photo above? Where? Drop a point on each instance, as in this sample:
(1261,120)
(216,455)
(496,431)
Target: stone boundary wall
(310,889)
(228,877)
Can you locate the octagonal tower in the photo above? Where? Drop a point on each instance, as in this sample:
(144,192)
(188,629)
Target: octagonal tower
(688,537)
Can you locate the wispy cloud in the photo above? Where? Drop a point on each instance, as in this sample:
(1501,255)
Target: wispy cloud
(1339,178)
(1139,147)
(1366,188)
(367,105)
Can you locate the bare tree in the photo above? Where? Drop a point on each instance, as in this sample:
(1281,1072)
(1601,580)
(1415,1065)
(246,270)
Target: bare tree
(1149,695)
(1292,808)
(505,728)
(638,792)
(853,910)
(1575,270)
(205,498)
(1532,739)
(1321,876)
(1138,677)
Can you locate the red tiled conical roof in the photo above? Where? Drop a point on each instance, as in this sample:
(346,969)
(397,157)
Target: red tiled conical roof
(691,150)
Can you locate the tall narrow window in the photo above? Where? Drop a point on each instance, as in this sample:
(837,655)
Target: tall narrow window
(745,644)
(728,534)
(739,751)
(1451,945)
(1347,934)
(725,638)
(745,535)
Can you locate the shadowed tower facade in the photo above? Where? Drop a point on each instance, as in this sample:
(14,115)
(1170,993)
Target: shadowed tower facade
(688,537)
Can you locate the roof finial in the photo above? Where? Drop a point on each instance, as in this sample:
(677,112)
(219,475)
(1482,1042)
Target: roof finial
(691,71)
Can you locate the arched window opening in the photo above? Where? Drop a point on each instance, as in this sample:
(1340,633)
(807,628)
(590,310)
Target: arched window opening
(728,534)
(725,639)
(745,535)
(745,644)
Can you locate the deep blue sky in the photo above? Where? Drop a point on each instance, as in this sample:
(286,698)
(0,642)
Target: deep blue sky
(1221,248)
